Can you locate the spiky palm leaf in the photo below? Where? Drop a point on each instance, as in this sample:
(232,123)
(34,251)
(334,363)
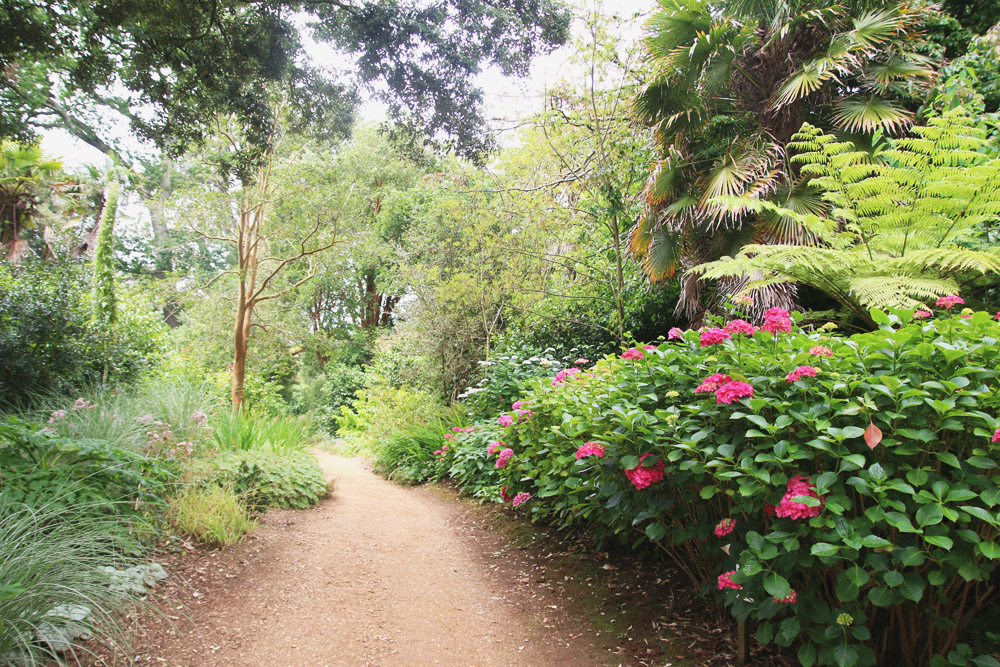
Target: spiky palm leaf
(726,79)
(870,113)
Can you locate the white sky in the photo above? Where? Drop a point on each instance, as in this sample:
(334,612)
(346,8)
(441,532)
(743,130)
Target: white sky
(506,99)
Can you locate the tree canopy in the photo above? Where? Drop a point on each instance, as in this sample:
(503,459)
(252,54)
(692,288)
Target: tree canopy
(171,66)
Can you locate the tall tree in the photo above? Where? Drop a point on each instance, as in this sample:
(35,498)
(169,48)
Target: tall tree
(730,83)
(168,67)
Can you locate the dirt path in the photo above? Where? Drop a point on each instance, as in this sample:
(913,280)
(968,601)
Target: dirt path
(379,575)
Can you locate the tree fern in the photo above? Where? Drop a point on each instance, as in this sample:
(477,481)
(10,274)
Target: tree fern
(899,230)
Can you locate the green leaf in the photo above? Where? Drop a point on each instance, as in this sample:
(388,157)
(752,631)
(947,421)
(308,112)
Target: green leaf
(776,585)
(939,541)
(913,586)
(929,515)
(990,550)
(765,633)
(655,531)
(823,549)
(980,513)
(880,596)
(807,655)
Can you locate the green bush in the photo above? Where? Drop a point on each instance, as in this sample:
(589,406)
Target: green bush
(41,469)
(465,459)
(507,374)
(49,343)
(263,479)
(381,412)
(213,515)
(865,498)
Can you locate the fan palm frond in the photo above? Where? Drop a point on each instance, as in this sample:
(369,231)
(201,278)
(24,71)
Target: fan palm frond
(867,114)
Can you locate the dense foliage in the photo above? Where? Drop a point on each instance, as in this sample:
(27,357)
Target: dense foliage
(853,479)
(49,342)
(909,222)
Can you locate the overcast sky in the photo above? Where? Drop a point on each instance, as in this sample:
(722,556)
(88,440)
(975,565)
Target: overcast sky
(506,99)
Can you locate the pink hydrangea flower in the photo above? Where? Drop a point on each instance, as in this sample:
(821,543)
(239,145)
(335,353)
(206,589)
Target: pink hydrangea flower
(821,351)
(947,302)
(581,361)
(505,420)
(437,452)
(712,382)
(788,599)
(641,476)
(725,527)
(590,449)
(792,509)
(504,457)
(713,336)
(921,314)
(649,347)
(997,317)
(730,391)
(996,436)
(675,334)
(517,405)
(493,447)
(726,581)
(801,371)
(777,320)
(743,300)
(632,353)
(520,498)
(457,429)
(524,414)
(741,327)
(504,496)
(564,375)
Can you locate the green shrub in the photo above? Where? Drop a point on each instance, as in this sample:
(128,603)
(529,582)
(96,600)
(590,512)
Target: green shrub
(467,461)
(381,412)
(507,374)
(408,457)
(339,387)
(889,539)
(263,479)
(41,469)
(53,569)
(49,343)
(212,514)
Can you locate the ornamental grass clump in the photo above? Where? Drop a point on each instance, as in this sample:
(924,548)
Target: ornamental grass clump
(846,477)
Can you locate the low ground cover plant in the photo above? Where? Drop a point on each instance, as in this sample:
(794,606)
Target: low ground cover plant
(263,479)
(841,492)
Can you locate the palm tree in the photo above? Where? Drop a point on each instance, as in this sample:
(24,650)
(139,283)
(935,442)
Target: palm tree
(731,82)
(26,178)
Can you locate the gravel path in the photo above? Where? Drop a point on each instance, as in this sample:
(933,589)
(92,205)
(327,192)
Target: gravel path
(378,575)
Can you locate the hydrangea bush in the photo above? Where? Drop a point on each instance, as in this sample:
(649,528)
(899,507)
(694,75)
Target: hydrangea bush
(841,492)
